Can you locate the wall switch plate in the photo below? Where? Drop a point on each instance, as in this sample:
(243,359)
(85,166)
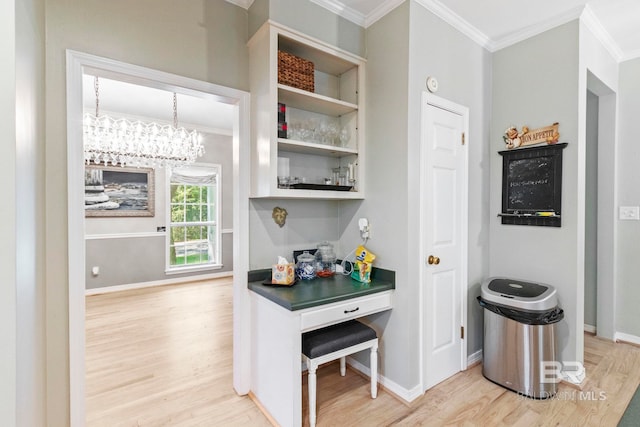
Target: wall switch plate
(629,213)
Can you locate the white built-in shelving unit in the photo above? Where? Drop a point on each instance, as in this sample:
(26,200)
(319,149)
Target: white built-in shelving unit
(337,100)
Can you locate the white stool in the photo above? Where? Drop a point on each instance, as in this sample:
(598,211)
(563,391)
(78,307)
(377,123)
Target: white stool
(333,342)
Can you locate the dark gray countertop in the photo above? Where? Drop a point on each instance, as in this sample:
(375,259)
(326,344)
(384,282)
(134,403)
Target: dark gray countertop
(319,291)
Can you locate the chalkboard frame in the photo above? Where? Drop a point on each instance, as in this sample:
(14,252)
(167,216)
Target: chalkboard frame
(553,201)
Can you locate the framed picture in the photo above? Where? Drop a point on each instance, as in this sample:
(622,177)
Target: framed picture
(118,191)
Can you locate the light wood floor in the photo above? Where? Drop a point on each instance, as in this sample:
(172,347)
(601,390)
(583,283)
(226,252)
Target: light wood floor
(163,357)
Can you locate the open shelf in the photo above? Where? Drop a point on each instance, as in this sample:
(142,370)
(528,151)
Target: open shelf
(293,146)
(309,101)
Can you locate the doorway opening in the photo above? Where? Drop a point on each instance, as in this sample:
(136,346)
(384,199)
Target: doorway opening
(79,64)
(600,212)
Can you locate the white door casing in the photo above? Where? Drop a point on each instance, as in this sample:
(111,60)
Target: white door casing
(444,216)
(77,63)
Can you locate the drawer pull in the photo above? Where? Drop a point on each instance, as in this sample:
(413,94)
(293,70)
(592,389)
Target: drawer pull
(351,311)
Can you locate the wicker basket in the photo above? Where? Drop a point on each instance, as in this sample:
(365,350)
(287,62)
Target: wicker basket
(295,72)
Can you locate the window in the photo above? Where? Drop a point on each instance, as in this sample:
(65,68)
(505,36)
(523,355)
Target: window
(193,238)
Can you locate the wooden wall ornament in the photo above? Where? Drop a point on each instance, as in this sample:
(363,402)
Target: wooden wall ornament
(514,139)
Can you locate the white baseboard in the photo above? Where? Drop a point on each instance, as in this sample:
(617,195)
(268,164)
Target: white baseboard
(628,338)
(474,358)
(173,281)
(398,390)
(590,328)
(408,395)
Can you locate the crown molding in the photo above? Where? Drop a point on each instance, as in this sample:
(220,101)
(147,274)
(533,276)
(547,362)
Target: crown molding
(342,10)
(462,25)
(380,11)
(245,4)
(591,21)
(534,30)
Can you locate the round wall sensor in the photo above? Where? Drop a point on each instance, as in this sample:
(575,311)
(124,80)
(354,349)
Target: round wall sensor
(432,84)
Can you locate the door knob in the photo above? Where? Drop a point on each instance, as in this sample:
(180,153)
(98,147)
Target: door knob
(433,260)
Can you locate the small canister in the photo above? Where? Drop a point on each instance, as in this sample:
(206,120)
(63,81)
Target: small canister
(325,260)
(306,266)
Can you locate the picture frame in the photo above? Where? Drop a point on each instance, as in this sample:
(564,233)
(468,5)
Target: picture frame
(114,191)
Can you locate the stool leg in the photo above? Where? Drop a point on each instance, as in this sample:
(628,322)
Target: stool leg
(311,366)
(374,370)
(343,366)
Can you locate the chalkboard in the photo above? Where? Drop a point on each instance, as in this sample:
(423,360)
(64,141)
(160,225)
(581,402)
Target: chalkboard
(532,186)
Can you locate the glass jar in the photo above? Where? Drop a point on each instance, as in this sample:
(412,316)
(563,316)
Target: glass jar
(306,268)
(325,260)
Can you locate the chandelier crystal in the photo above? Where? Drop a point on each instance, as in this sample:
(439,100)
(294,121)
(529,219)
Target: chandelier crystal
(135,143)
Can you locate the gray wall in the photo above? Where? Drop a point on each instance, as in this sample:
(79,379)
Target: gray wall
(628,177)
(310,19)
(201,39)
(386,184)
(393,136)
(528,93)
(591,213)
(132,260)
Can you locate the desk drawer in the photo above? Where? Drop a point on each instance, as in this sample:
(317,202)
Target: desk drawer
(319,317)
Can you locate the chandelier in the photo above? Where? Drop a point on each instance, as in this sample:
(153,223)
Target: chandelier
(135,143)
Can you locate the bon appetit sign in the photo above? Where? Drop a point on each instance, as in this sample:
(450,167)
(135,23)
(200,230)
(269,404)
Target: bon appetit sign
(514,139)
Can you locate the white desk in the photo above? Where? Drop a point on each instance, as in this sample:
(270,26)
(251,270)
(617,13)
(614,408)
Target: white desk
(278,318)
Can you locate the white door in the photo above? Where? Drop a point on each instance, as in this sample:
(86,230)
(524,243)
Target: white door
(444,238)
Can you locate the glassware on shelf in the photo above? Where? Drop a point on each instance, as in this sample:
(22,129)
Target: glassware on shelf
(325,131)
(284,181)
(344,137)
(339,175)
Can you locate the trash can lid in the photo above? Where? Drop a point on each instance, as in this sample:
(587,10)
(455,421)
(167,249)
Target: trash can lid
(519,294)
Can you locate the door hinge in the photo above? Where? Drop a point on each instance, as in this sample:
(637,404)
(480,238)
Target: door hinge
(461,332)
(463,138)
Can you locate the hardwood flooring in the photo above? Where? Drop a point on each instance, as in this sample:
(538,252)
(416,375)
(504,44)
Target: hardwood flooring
(163,357)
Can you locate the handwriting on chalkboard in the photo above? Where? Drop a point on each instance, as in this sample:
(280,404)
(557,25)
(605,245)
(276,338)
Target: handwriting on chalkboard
(532,184)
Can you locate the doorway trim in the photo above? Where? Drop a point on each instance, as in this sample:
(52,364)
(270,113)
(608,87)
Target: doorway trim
(77,64)
(607,221)
(442,103)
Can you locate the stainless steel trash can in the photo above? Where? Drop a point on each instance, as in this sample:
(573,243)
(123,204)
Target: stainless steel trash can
(519,334)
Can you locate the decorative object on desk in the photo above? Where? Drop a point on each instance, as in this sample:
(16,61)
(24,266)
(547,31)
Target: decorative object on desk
(134,143)
(325,260)
(514,139)
(532,186)
(118,191)
(295,71)
(282,273)
(279,216)
(306,266)
(362,267)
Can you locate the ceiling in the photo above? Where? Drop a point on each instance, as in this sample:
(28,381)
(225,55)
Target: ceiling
(137,102)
